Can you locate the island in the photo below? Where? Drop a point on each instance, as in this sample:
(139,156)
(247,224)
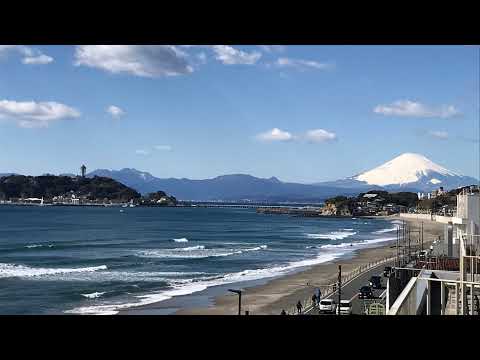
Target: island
(75,190)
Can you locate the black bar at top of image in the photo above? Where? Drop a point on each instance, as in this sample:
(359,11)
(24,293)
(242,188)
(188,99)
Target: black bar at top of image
(322,24)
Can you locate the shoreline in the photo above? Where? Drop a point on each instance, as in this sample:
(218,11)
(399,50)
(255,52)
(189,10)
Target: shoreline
(269,296)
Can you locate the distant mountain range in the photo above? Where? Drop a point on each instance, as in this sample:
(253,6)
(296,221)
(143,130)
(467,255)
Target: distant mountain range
(407,172)
(234,187)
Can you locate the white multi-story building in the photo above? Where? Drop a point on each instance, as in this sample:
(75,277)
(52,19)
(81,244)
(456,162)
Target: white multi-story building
(434,290)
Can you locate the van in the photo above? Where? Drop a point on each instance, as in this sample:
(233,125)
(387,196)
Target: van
(345,307)
(327,306)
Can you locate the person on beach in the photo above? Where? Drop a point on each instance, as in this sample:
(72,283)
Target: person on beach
(319,295)
(283,312)
(299,307)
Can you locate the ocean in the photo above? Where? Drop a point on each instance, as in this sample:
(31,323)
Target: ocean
(96,260)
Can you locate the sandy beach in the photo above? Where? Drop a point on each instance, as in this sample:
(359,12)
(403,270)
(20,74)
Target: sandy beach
(283,292)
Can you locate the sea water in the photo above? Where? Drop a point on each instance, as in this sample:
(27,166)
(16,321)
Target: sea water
(96,260)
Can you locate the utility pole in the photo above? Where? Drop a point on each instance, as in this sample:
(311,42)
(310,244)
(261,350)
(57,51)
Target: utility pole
(239,292)
(398,235)
(422,235)
(339,287)
(409,250)
(403,242)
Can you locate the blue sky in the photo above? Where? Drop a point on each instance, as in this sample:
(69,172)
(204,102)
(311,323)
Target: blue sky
(300,113)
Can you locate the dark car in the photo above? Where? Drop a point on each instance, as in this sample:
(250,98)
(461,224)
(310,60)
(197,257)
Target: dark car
(376,282)
(387,271)
(365,293)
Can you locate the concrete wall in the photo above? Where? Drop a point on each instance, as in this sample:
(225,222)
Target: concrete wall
(436,218)
(416,216)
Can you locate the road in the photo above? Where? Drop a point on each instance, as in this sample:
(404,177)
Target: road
(350,290)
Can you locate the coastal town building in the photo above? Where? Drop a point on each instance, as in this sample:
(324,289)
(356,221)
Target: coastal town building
(446,279)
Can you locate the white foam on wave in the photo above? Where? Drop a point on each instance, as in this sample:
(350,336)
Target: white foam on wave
(94,295)
(33,246)
(181,240)
(383,231)
(195,252)
(357,244)
(190,286)
(191,248)
(347,229)
(13,270)
(334,235)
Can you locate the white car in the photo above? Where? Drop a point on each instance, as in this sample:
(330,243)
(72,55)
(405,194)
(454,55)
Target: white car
(327,306)
(345,307)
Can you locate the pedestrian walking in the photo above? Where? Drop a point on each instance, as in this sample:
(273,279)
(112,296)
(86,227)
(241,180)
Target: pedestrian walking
(299,307)
(319,295)
(314,300)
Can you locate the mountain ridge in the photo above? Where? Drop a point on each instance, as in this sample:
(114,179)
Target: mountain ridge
(412,172)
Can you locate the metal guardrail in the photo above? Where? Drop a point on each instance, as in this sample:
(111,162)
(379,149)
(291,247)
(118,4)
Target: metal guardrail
(308,305)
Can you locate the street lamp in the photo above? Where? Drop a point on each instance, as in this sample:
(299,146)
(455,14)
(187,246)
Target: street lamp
(239,292)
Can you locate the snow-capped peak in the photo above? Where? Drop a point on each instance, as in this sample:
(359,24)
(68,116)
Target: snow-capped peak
(404,169)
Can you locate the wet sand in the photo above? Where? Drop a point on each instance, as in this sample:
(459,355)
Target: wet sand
(271,296)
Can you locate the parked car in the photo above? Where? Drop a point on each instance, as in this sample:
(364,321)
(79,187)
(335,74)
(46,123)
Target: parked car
(423,255)
(345,307)
(387,271)
(365,293)
(327,306)
(376,282)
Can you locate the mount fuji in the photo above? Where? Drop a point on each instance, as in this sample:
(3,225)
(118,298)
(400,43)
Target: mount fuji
(407,172)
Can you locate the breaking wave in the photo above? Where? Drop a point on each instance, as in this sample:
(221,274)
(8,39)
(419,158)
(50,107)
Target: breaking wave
(13,270)
(195,252)
(334,235)
(93,295)
(33,246)
(181,240)
(198,247)
(190,286)
(356,244)
(383,231)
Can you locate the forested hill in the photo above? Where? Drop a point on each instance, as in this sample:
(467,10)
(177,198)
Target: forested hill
(48,186)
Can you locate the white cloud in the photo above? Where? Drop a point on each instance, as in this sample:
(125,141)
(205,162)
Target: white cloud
(115,111)
(275,135)
(438,134)
(409,108)
(140,60)
(163,147)
(272,48)
(31,114)
(37,60)
(228,55)
(319,135)
(31,56)
(301,65)
(142,152)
